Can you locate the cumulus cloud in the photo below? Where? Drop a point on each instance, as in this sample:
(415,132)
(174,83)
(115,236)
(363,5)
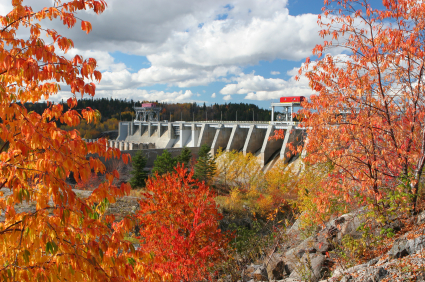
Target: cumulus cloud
(256,87)
(105,62)
(193,43)
(196,42)
(274,72)
(227,98)
(213,95)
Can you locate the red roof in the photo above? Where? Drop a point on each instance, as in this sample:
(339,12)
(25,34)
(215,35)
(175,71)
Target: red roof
(148,105)
(292,99)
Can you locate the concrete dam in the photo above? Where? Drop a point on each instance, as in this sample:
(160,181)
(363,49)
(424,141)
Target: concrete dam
(248,137)
(147,133)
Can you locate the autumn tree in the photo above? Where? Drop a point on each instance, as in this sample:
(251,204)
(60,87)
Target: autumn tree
(64,238)
(180,227)
(367,117)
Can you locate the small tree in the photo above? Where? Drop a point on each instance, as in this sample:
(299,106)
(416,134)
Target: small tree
(184,157)
(206,166)
(367,118)
(139,175)
(164,163)
(182,235)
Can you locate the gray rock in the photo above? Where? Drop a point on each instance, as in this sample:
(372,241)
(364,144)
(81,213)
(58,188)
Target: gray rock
(403,247)
(346,278)
(249,271)
(260,274)
(421,218)
(356,268)
(309,268)
(372,261)
(376,274)
(276,268)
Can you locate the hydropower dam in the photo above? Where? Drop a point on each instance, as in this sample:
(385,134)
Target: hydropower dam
(152,136)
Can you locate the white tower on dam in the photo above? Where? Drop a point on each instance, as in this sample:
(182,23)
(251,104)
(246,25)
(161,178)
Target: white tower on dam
(248,137)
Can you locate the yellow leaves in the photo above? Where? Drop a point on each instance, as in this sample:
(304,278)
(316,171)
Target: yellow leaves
(61,230)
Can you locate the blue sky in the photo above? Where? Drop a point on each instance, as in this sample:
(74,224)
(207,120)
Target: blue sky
(213,51)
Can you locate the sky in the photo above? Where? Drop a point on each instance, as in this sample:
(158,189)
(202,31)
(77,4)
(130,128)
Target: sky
(212,51)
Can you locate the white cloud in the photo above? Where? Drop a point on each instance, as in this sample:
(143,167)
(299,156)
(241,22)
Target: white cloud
(274,72)
(193,43)
(227,98)
(187,45)
(105,62)
(213,95)
(256,87)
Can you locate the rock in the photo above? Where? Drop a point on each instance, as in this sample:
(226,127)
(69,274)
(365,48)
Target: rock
(346,278)
(309,267)
(403,247)
(260,274)
(251,269)
(313,244)
(376,274)
(421,218)
(348,225)
(276,268)
(373,261)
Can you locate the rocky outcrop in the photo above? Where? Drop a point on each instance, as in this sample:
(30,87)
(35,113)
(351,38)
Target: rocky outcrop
(307,259)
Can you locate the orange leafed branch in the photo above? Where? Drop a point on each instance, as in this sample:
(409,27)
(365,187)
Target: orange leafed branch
(367,117)
(65,237)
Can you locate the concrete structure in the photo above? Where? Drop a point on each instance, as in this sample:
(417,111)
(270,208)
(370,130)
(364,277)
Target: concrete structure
(248,137)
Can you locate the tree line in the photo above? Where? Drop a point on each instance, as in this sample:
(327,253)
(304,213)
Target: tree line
(124,110)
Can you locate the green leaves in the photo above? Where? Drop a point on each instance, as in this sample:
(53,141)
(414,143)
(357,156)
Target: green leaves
(26,256)
(139,175)
(164,163)
(51,248)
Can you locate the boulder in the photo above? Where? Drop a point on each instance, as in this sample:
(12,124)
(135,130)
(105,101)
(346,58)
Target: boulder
(309,267)
(314,244)
(260,274)
(403,247)
(249,271)
(421,218)
(276,267)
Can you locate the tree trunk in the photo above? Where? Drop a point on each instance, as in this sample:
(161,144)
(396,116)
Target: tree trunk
(418,172)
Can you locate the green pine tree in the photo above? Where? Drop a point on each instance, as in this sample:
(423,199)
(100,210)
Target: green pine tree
(139,175)
(184,157)
(205,167)
(164,163)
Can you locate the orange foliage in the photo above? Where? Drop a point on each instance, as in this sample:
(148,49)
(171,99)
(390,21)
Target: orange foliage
(179,227)
(65,238)
(367,119)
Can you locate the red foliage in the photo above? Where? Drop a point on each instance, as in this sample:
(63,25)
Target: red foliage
(179,226)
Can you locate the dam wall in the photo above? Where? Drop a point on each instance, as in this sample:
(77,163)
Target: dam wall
(246,137)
